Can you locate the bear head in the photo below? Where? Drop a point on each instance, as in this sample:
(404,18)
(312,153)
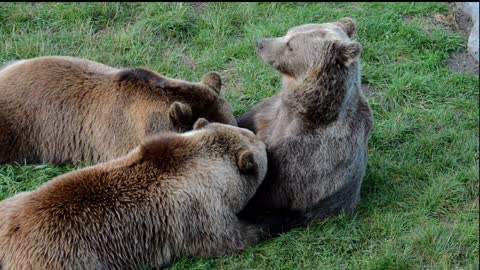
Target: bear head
(230,159)
(186,101)
(200,100)
(306,48)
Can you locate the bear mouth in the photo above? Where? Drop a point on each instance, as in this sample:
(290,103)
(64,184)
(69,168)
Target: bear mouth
(270,61)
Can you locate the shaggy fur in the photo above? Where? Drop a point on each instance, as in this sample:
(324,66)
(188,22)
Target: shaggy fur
(175,195)
(316,130)
(68,110)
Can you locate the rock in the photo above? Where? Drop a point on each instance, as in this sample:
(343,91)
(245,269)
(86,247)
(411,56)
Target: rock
(473,41)
(472,9)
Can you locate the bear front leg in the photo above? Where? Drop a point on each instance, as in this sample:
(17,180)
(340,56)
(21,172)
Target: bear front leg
(240,236)
(229,239)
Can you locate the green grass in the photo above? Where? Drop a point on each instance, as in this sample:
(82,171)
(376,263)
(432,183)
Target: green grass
(419,207)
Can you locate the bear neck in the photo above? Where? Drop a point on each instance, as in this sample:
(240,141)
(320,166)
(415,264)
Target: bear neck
(319,97)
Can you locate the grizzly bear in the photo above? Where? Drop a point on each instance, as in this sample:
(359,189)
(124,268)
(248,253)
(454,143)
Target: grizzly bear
(316,130)
(175,195)
(69,110)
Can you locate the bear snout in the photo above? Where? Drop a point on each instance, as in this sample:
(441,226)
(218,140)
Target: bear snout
(260,43)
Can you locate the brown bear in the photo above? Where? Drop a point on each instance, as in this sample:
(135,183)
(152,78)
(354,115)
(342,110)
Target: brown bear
(68,110)
(316,130)
(175,195)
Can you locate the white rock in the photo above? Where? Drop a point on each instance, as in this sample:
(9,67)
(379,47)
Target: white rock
(471,8)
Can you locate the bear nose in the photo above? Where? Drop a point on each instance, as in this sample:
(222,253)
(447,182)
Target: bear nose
(260,43)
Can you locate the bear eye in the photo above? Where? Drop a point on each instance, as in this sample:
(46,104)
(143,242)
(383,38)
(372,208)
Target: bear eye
(289,47)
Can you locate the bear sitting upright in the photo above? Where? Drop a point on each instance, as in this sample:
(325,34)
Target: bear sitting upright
(68,110)
(175,195)
(316,130)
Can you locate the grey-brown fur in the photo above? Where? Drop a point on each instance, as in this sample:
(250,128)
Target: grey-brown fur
(69,110)
(316,130)
(175,195)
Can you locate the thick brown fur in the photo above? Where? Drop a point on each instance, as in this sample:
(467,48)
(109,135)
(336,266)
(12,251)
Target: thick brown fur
(316,130)
(68,110)
(175,195)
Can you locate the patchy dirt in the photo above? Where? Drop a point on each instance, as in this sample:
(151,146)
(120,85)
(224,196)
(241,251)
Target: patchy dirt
(228,81)
(460,21)
(407,18)
(462,62)
(439,21)
(228,88)
(198,7)
(188,61)
(179,56)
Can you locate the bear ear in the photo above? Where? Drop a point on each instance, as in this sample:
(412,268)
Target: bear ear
(348,51)
(168,85)
(200,123)
(245,162)
(180,113)
(212,80)
(348,25)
